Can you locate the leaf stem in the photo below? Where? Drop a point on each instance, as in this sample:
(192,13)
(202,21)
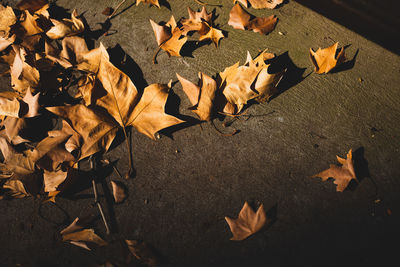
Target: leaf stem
(206,4)
(221,133)
(155,55)
(116,8)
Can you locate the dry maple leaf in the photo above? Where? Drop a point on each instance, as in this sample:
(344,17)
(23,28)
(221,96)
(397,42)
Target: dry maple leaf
(169,37)
(141,251)
(73,50)
(23,75)
(32,5)
(30,24)
(83,236)
(66,27)
(250,81)
(7,19)
(151,2)
(194,22)
(202,96)
(210,33)
(242,20)
(118,192)
(96,130)
(325,60)
(248,222)
(342,174)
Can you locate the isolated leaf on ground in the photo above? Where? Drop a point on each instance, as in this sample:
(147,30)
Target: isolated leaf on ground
(151,2)
(252,80)
(118,192)
(141,251)
(194,22)
(169,37)
(325,60)
(242,20)
(66,27)
(248,222)
(342,174)
(258,4)
(207,32)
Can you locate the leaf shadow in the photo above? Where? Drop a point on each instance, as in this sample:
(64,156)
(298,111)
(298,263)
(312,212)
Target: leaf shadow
(172,108)
(293,75)
(190,46)
(347,65)
(127,65)
(361,169)
(165,4)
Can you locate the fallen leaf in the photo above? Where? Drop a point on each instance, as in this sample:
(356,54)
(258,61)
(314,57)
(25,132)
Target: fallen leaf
(73,50)
(325,60)
(243,2)
(202,96)
(66,27)
(6,41)
(169,37)
(118,192)
(142,252)
(97,130)
(250,81)
(194,22)
(30,24)
(7,19)
(151,2)
(5,173)
(210,33)
(342,174)
(23,75)
(248,222)
(258,4)
(12,106)
(20,186)
(86,235)
(242,20)
(115,92)
(73,227)
(31,5)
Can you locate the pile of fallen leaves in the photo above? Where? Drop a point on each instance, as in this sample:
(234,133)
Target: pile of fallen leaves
(68,102)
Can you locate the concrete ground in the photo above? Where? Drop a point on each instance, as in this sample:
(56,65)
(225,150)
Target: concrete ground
(187,183)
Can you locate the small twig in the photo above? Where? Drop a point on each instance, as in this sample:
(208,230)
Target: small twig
(96,196)
(117,171)
(206,4)
(221,133)
(116,8)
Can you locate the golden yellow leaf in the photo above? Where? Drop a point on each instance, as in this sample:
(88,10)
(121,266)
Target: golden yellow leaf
(97,130)
(241,19)
(194,22)
(168,37)
(30,25)
(7,19)
(257,4)
(73,50)
(23,75)
(152,2)
(325,60)
(342,174)
(248,222)
(209,33)
(73,227)
(6,41)
(66,27)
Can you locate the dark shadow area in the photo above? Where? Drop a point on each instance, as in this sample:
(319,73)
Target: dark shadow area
(378,21)
(58,12)
(189,47)
(293,75)
(126,64)
(347,65)
(361,169)
(102,173)
(51,211)
(172,108)
(272,214)
(165,4)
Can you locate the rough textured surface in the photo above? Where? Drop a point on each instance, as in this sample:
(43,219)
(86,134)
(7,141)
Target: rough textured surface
(178,200)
